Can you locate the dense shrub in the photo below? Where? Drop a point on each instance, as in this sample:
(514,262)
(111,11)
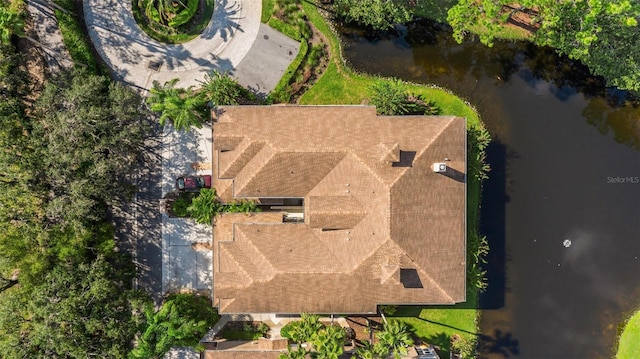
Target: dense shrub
(186,14)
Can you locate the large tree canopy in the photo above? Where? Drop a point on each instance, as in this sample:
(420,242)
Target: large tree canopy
(78,310)
(88,133)
(181,321)
(377,14)
(11,20)
(603,34)
(65,292)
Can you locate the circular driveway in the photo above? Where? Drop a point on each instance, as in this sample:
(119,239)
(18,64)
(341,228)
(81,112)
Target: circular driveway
(137,59)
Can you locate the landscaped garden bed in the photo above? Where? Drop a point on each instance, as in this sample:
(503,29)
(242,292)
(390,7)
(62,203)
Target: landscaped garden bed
(244,330)
(172,21)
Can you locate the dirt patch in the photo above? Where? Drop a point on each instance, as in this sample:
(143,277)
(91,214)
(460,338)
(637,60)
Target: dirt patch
(365,328)
(33,65)
(521,18)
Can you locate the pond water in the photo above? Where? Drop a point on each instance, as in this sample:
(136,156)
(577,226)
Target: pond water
(562,206)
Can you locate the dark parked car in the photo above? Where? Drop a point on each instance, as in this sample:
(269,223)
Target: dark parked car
(193,183)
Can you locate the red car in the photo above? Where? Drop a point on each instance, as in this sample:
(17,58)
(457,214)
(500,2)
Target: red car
(193,183)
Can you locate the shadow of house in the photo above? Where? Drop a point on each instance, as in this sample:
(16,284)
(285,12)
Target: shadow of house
(493,225)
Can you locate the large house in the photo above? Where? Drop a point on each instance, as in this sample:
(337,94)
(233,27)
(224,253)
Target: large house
(358,209)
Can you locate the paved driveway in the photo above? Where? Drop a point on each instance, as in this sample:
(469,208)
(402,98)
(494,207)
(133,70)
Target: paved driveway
(186,251)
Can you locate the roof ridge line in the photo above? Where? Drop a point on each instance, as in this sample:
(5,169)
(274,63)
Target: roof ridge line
(243,148)
(437,284)
(344,155)
(372,253)
(364,163)
(273,270)
(427,147)
(235,260)
(268,149)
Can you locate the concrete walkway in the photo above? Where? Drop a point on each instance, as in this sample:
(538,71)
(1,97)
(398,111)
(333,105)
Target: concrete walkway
(46,26)
(222,46)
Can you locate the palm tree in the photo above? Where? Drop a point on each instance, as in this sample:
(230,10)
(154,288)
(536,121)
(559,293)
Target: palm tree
(396,337)
(329,342)
(162,7)
(183,107)
(220,89)
(300,353)
(367,351)
(204,207)
(304,330)
(389,97)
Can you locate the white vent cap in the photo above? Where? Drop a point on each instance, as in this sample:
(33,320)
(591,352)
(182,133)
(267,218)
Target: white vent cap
(439,167)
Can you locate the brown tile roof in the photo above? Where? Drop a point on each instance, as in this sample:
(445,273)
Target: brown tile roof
(334,212)
(380,226)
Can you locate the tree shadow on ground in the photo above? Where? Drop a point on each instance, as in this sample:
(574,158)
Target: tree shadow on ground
(441,342)
(224,20)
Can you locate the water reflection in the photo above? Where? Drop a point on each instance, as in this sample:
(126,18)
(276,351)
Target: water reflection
(609,114)
(424,51)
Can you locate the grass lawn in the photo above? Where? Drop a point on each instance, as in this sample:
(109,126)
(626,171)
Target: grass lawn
(341,85)
(629,345)
(231,334)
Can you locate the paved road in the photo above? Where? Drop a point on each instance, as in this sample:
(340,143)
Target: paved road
(148,219)
(138,223)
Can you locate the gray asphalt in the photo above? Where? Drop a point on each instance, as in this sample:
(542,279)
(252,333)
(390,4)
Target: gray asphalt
(138,223)
(263,66)
(148,219)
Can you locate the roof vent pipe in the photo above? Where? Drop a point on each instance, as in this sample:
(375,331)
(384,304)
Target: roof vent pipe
(439,167)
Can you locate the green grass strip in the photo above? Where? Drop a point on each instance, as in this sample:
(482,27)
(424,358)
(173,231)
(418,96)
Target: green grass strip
(280,92)
(286,29)
(74,39)
(267,10)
